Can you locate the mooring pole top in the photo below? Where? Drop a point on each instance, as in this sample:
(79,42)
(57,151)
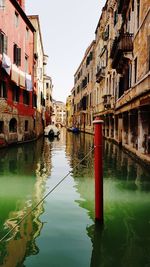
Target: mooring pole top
(97,121)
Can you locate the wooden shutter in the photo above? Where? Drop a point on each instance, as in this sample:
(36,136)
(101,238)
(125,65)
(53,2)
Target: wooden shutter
(4,90)
(5,43)
(18,56)
(1,43)
(15,53)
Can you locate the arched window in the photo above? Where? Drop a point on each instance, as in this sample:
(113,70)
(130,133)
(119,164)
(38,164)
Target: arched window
(13,125)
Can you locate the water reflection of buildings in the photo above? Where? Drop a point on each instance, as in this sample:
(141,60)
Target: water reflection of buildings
(124,239)
(25,170)
(121,166)
(77,146)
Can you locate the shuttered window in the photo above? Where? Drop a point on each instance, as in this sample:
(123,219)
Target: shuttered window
(3,43)
(26,97)
(2,4)
(16,93)
(17,55)
(3,89)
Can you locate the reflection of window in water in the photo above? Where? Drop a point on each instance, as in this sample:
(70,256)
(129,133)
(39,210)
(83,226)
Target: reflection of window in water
(1,126)
(1,167)
(25,157)
(12,165)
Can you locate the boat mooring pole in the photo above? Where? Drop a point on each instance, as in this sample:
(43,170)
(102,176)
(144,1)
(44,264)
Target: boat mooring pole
(98,169)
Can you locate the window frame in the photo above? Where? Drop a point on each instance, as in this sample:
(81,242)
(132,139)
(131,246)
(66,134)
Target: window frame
(16,55)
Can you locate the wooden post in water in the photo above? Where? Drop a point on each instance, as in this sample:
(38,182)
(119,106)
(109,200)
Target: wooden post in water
(98,169)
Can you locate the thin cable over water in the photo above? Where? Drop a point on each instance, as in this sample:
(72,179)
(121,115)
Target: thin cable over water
(26,215)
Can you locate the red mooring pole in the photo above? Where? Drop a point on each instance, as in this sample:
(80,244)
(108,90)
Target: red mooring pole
(98,168)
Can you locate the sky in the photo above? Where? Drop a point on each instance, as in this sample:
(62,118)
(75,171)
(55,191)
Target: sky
(68,28)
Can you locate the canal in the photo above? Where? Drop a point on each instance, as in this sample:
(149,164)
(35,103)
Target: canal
(61,231)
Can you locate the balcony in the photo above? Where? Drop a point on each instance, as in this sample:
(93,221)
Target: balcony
(100,74)
(83,103)
(107,102)
(126,42)
(121,44)
(84,82)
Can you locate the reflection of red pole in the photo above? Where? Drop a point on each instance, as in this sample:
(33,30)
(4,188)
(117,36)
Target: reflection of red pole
(98,166)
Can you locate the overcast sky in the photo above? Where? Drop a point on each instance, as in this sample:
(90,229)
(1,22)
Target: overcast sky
(68,27)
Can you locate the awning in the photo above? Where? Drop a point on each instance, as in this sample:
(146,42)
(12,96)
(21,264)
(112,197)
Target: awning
(6,63)
(15,74)
(22,79)
(28,81)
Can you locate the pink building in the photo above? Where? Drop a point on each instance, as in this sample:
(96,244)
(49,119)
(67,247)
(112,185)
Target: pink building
(17,94)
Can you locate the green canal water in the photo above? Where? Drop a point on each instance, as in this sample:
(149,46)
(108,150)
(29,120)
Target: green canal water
(61,231)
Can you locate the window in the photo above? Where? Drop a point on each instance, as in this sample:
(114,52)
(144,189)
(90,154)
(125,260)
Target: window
(47,85)
(132,5)
(2,4)
(3,89)
(13,126)
(17,55)
(138,13)
(90,99)
(1,127)
(26,63)
(16,19)
(34,100)
(115,17)
(26,97)
(135,70)
(26,126)
(16,93)
(34,124)
(3,43)
(130,75)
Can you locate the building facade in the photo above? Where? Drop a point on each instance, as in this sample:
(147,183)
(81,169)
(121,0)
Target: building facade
(59,113)
(121,74)
(48,87)
(82,92)
(40,60)
(24,84)
(43,83)
(69,112)
(16,74)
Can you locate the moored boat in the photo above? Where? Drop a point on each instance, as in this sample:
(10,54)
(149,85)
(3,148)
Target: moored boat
(73,129)
(51,131)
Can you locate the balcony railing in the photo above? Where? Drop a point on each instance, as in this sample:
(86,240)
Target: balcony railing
(126,42)
(100,74)
(106,102)
(121,44)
